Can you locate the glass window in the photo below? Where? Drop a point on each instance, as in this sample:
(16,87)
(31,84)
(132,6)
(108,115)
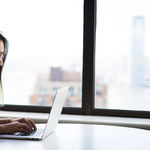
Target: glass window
(123,54)
(71,91)
(45,49)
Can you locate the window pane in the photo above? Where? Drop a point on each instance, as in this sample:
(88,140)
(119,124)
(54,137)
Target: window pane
(45,50)
(123,55)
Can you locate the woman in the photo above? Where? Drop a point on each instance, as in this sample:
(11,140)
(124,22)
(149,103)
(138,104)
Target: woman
(8,125)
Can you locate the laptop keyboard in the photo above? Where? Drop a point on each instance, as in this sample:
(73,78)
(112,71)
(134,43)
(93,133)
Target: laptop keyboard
(38,132)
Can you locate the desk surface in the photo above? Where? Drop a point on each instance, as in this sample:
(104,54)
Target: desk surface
(85,137)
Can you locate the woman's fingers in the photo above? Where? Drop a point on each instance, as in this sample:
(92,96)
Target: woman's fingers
(27,127)
(27,121)
(33,124)
(22,130)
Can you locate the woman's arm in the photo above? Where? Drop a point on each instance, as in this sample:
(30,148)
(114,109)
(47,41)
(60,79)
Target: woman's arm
(2,130)
(5,120)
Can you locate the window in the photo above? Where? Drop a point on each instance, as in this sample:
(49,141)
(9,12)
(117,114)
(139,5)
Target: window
(45,50)
(122,55)
(99,83)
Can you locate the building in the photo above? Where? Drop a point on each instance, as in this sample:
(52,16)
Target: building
(47,85)
(138,51)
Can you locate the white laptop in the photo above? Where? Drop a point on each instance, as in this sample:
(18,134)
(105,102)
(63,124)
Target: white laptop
(44,130)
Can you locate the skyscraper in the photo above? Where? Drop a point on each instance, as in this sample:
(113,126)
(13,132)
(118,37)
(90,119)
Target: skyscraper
(138,51)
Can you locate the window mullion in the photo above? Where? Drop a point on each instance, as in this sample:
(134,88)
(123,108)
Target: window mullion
(88,88)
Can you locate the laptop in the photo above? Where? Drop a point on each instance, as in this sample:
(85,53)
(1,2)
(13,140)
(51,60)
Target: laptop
(44,130)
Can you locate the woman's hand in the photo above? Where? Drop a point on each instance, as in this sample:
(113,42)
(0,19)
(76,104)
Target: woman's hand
(13,127)
(30,123)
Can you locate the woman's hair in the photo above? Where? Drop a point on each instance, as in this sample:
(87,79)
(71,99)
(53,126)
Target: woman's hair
(2,38)
(5,41)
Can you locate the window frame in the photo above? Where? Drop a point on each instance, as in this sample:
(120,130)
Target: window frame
(88,77)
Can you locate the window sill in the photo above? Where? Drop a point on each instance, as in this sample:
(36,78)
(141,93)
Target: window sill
(99,120)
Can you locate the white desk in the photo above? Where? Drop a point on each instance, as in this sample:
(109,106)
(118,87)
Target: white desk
(85,137)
